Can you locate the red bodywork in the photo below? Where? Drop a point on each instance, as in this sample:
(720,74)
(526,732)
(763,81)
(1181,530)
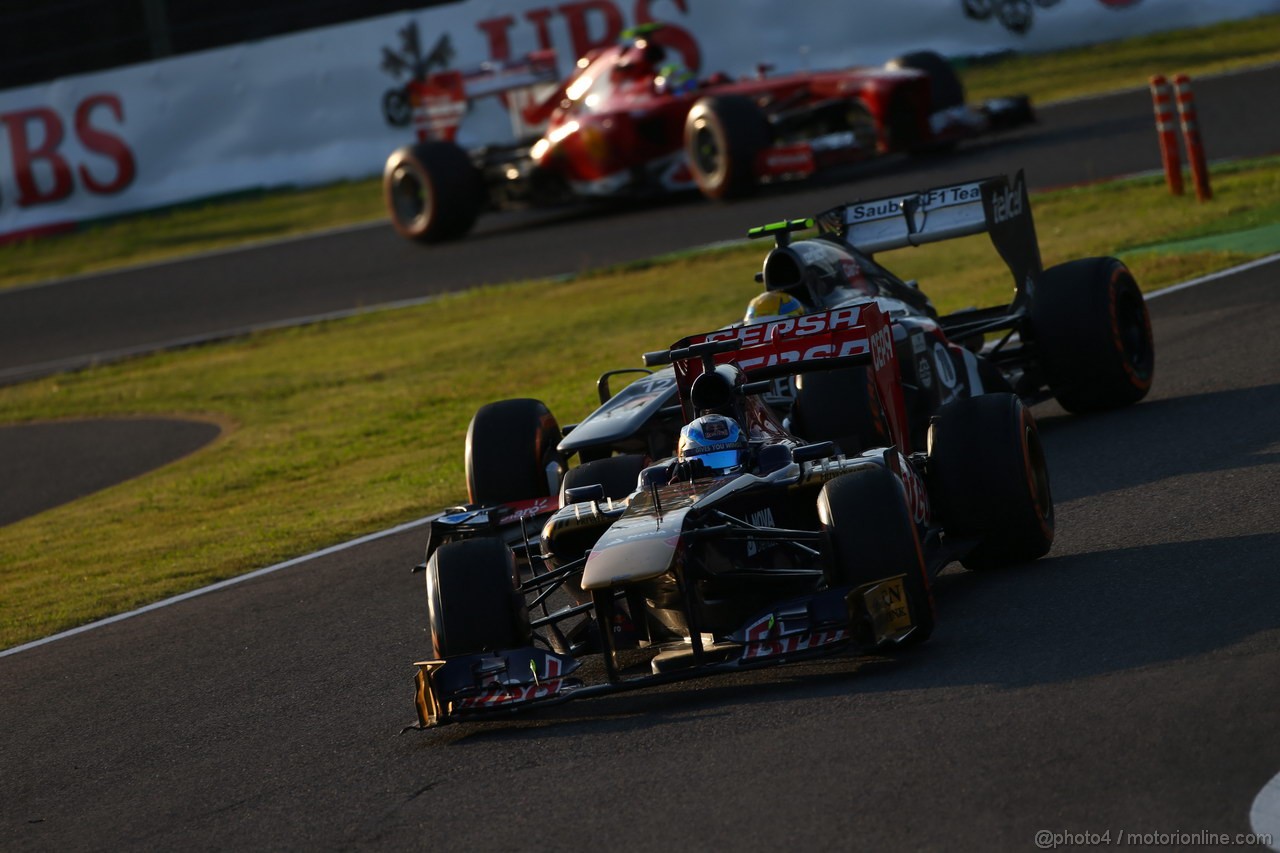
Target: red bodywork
(617,116)
(781,346)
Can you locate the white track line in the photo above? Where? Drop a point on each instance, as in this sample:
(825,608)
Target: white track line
(422,521)
(333,549)
(1204,279)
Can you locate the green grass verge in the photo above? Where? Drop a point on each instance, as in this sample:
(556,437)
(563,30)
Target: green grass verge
(259,216)
(342,428)
(1129,63)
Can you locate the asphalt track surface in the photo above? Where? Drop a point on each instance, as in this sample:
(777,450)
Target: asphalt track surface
(46,464)
(1126,682)
(73,323)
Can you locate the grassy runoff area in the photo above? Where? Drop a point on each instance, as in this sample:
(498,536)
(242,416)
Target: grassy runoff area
(248,217)
(342,428)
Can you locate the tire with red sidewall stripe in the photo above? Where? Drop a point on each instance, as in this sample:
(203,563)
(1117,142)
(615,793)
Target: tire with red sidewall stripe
(1090,327)
(988,480)
(511,452)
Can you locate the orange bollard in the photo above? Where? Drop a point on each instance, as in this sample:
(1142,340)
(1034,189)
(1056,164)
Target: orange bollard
(1191,137)
(1166,132)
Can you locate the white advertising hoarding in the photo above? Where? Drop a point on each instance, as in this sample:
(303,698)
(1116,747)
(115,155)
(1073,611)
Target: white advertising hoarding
(307,109)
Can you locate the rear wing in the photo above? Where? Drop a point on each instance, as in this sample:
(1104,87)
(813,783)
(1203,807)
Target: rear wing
(994,205)
(439,100)
(849,336)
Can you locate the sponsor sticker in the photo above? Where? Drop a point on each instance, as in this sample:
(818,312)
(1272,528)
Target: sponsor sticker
(924,373)
(946,370)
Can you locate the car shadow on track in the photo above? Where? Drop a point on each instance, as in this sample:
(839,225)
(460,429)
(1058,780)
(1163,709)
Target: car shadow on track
(1159,439)
(1057,620)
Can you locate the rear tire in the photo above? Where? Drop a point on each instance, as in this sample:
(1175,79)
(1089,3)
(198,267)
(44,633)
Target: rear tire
(511,453)
(988,480)
(1089,321)
(617,474)
(722,137)
(473,601)
(840,406)
(432,191)
(944,83)
(872,536)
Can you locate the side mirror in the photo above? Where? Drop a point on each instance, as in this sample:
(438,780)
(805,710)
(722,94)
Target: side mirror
(602,384)
(579,494)
(810,452)
(773,457)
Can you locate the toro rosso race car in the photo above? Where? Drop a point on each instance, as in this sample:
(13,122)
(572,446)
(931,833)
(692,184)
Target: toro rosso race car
(751,547)
(628,123)
(789,485)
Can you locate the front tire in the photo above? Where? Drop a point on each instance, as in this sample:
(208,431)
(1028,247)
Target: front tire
(432,190)
(473,599)
(618,475)
(871,536)
(511,453)
(1090,324)
(722,137)
(988,480)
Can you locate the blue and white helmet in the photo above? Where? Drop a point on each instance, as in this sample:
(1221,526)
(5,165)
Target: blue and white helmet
(715,441)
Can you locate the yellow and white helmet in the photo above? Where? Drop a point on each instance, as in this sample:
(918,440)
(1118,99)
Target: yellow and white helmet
(773,305)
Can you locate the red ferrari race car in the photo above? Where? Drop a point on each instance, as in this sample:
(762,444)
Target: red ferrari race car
(630,123)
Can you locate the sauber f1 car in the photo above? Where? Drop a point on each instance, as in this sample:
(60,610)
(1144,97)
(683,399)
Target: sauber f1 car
(628,123)
(752,547)
(1078,332)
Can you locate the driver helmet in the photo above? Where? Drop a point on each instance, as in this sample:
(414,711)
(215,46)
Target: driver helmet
(674,79)
(643,58)
(773,305)
(715,441)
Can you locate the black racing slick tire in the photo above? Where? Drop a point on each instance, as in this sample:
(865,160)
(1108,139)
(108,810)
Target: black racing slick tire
(989,481)
(1090,326)
(871,536)
(840,406)
(511,453)
(432,190)
(944,82)
(617,474)
(473,601)
(722,136)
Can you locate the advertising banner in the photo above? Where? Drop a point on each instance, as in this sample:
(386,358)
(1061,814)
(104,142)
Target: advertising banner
(326,104)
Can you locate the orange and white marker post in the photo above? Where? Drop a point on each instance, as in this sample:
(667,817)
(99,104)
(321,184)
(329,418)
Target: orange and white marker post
(1167,132)
(1191,137)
